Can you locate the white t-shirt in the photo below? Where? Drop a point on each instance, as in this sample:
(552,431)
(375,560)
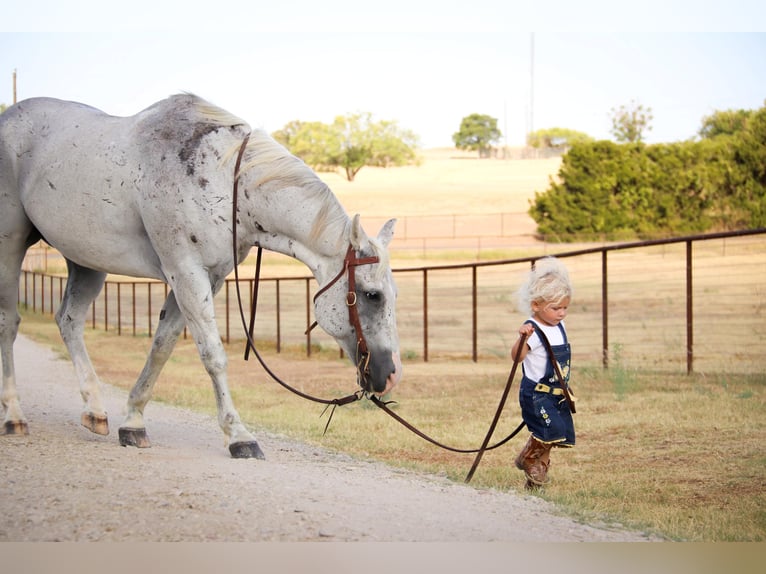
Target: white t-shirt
(536,362)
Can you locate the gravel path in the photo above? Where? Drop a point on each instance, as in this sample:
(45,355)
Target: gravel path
(62,483)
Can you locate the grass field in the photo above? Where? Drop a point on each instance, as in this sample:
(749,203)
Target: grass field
(677,455)
(681,457)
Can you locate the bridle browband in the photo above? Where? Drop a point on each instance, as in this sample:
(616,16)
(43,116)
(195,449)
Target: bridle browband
(350,262)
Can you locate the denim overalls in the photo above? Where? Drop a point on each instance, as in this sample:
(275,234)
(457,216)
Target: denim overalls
(546,412)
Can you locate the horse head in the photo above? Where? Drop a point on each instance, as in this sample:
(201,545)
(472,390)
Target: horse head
(358,308)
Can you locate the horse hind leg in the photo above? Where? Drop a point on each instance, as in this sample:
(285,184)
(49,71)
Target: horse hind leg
(82,287)
(14,422)
(17,237)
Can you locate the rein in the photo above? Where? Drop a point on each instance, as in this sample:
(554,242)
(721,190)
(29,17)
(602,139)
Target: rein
(350,261)
(516,359)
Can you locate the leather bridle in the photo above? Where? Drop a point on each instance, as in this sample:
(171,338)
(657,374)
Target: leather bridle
(350,262)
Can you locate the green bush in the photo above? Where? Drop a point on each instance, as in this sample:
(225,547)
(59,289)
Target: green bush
(623,191)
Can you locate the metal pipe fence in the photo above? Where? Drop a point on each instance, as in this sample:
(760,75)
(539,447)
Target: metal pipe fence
(693,303)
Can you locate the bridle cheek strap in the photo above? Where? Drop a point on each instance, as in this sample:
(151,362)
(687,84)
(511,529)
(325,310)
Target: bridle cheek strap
(351,261)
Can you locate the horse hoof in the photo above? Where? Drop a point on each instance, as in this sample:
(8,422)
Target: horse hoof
(246,450)
(95,424)
(134,437)
(16,428)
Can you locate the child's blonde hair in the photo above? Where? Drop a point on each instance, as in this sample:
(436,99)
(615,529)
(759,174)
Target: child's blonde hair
(548,281)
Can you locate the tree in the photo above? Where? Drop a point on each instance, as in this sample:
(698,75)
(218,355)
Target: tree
(3,107)
(630,122)
(622,191)
(477,132)
(349,143)
(556,138)
(729,122)
(315,143)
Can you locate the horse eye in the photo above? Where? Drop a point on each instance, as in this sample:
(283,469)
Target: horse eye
(372,295)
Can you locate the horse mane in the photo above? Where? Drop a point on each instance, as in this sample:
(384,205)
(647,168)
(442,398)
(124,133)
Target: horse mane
(209,113)
(273,162)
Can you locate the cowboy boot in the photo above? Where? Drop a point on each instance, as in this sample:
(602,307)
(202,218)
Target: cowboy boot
(534,460)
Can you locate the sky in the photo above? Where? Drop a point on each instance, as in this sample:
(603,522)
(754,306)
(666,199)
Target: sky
(424,64)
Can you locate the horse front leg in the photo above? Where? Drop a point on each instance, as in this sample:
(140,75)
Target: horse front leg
(133,430)
(16,235)
(196,302)
(82,287)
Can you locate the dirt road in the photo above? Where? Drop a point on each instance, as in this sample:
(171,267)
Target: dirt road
(62,483)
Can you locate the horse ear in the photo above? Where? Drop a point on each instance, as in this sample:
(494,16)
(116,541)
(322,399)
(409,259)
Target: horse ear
(386,233)
(358,237)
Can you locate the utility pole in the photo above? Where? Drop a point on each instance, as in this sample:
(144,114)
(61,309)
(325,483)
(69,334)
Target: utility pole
(532,83)
(14,86)
(505,128)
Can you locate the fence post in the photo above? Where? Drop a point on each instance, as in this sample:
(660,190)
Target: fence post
(689,311)
(308,318)
(119,310)
(604,311)
(425,315)
(279,326)
(475,353)
(226,286)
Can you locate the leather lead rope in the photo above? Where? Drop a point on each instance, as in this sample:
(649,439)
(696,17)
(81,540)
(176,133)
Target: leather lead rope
(516,360)
(383,405)
(256,284)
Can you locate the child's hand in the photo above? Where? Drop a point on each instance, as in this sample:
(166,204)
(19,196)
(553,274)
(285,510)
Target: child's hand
(526,329)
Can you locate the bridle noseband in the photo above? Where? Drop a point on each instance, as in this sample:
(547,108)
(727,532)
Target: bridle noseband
(350,261)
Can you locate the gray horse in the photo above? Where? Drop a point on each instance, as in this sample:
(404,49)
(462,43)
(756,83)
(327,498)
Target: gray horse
(152,196)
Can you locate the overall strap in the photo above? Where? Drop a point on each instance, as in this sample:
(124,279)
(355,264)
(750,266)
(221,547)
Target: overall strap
(542,336)
(562,381)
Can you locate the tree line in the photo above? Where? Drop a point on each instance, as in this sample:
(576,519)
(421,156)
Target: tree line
(612,190)
(618,191)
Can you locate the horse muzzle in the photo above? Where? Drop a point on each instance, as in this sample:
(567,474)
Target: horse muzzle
(378,373)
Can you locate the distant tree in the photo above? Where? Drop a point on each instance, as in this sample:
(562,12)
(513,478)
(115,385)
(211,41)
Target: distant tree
(477,132)
(556,138)
(317,144)
(392,145)
(3,107)
(630,122)
(349,143)
(728,122)
(365,142)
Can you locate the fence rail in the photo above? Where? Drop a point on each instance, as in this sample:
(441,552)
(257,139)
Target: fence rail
(695,303)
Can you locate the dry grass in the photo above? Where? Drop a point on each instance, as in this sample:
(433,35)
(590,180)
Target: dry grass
(447,182)
(677,455)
